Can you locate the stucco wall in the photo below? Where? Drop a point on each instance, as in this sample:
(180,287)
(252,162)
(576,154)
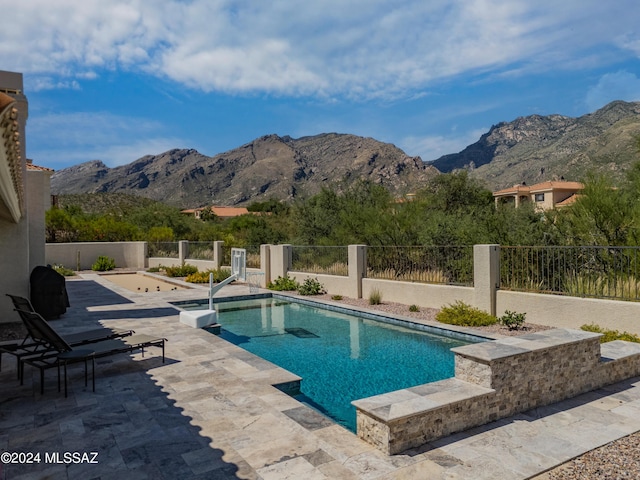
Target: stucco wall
(571,312)
(420,294)
(38,202)
(14,265)
(333,284)
(125,254)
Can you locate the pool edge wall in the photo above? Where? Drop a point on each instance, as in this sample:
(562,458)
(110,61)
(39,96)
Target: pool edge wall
(495,380)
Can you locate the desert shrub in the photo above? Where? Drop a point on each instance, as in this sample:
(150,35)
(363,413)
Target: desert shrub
(154,269)
(375,297)
(197,277)
(336,297)
(103,264)
(181,271)
(414,308)
(512,320)
(64,271)
(283,284)
(311,286)
(219,275)
(610,335)
(462,314)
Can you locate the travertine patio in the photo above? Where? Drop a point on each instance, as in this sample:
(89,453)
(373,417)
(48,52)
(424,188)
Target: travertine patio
(211,412)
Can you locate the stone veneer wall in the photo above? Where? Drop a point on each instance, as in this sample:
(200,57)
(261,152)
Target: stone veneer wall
(495,380)
(525,378)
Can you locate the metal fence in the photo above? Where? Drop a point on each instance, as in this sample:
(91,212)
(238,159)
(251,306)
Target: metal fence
(425,264)
(253,255)
(321,260)
(201,250)
(163,249)
(585,271)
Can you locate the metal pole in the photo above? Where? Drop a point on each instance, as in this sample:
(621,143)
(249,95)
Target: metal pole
(211,291)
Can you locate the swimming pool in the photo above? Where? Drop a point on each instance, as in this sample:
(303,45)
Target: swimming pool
(340,357)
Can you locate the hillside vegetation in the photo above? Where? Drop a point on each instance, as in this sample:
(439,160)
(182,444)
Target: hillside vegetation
(453,209)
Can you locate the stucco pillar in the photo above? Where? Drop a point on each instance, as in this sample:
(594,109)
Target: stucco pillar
(265,264)
(281,258)
(218,254)
(486,276)
(183,251)
(143,255)
(357,269)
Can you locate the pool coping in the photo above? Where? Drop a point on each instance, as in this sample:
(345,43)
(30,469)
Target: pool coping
(450,331)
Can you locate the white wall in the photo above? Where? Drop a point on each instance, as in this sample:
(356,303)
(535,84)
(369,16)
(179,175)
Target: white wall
(125,254)
(571,312)
(421,294)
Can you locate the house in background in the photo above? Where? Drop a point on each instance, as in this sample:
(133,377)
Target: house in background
(545,195)
(220,212)
(24,198)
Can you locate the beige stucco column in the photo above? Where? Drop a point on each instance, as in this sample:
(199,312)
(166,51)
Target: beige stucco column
(218,255)
(265,264)
(183,250)
(357,268)
(280,260)
(486,276)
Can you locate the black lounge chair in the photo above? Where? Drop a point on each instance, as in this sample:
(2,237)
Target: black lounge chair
(58,351)
(30,345)
(21,304)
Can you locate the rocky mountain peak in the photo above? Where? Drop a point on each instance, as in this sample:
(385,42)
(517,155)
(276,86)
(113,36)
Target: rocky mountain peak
(269,166)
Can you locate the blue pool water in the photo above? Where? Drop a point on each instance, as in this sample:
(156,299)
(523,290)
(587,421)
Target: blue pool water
(340,357)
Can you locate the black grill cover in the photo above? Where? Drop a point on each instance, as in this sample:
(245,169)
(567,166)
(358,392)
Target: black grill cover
(48,292)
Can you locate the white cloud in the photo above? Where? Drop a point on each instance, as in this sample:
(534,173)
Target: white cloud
(620,85)
(433,147)
(361,48)
(48,83)
(63,139)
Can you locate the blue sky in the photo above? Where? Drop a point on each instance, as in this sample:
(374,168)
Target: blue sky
(115,80)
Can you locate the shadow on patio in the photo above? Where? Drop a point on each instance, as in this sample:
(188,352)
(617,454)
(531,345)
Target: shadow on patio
(134,424)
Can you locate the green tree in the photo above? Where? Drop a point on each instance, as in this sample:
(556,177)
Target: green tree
(456,192)
(316,218)
(160,234)
(602,215)
(60,226)
(105,228)
(207,215)
(253,230)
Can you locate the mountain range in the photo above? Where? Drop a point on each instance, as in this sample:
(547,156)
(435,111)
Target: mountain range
(528,149)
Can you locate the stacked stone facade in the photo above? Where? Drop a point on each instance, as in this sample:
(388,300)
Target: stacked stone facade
(494,380)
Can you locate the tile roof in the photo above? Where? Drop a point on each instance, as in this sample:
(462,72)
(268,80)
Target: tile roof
(538,187)
(229,211)
(222,212)
(557,185)
(568,201)
(32,167)
(513,190)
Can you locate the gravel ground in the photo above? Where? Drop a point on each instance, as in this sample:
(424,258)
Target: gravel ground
(619,460)
(614,461)
(429,314)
